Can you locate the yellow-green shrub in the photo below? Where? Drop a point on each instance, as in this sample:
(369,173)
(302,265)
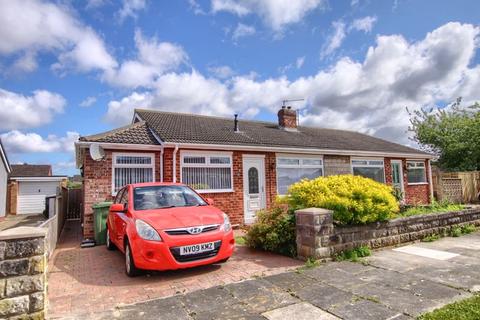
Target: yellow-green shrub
(353,199)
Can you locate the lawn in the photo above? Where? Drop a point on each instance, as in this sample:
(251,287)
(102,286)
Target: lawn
(435,207)
(468,309)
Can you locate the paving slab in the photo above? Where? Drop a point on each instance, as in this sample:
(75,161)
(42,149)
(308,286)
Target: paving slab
(394,286)
(299,311)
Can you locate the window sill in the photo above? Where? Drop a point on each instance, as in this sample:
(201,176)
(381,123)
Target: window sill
(417,183)
(215,191)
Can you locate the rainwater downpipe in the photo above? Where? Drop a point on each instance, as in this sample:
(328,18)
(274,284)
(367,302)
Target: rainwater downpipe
(175,163)
(161,164)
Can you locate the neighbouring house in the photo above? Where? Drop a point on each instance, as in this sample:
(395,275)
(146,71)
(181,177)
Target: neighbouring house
(5,170)
(29,185)
(241,165)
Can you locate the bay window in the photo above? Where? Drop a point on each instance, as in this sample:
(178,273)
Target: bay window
(369,168)
(416,173)
(207,172)
(132,168)
(291,169)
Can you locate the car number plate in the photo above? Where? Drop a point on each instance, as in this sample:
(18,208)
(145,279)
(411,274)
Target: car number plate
(196,248)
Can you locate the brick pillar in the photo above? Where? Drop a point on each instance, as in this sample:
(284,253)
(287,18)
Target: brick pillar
(314,228)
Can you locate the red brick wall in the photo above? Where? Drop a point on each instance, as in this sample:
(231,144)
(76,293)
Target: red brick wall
(97,184)
(414,194)
(230,202)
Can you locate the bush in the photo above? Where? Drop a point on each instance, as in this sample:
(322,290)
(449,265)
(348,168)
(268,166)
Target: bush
(353,254)
(274,231)
(353,199)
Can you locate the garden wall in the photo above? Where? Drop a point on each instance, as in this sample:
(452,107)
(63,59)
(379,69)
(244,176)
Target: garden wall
(318,237)
(22,273)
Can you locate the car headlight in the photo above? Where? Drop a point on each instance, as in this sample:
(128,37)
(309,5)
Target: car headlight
(146,231)
(227,226)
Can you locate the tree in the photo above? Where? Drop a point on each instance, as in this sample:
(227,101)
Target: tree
(452,133)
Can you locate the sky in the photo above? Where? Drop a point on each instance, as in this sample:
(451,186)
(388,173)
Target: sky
(73,68)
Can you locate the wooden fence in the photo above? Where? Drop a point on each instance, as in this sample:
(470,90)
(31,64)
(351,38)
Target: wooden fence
(456,186)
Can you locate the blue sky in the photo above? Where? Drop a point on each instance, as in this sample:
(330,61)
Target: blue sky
(72,68)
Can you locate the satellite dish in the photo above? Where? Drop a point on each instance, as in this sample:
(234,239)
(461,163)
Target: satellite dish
(96,152)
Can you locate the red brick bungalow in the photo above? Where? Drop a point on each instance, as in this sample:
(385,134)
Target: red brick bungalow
(241,165)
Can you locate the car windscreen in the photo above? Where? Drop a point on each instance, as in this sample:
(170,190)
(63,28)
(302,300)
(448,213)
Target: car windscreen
(161,197)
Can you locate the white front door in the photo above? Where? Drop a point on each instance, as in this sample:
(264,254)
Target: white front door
(253,186)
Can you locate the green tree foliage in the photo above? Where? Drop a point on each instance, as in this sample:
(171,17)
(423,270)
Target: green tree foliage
(452,133)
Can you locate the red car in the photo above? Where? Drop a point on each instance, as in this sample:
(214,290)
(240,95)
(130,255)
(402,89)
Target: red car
(165,226)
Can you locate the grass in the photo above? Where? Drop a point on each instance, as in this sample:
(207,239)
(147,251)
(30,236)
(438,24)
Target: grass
(311,263)
(240,240)
(431,238)
(353,255)
(468,309)
(435,207)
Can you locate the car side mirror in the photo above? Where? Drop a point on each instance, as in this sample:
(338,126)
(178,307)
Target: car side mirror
(117,207)
(210,201)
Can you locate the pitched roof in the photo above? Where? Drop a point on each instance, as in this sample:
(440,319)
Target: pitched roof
(137,133)
(4,157)
(31,170)
(189,128)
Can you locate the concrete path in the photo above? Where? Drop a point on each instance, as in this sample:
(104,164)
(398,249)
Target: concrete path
(392,284)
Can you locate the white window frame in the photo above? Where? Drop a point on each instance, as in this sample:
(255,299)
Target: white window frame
(300,165)
(207,164)
(368,165)
(424,173)
(124,165)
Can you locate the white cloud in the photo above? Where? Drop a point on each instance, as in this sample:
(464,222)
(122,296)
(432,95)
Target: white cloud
(195,7)
(335,40)
(19,111)
(50,27)
(299,62)
(243,30)
(340,31)
(185,92)
(153,59)
(276,14)
(18,142)
(89,101)
(363,24)
(368,96)
(221,72)
(130,8)
(26,63)
(94,4)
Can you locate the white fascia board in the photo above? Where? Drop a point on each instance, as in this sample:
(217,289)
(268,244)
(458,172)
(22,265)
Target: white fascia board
(39,179)
(82,146)
(300,150)
(5,160)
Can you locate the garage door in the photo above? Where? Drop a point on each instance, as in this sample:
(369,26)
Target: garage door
(31,195)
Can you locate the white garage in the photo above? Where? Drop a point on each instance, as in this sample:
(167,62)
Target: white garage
(32,192)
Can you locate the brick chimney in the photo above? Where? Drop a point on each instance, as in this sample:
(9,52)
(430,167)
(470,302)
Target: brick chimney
(287,118)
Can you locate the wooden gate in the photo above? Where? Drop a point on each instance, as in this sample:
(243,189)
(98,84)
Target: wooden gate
(74,204)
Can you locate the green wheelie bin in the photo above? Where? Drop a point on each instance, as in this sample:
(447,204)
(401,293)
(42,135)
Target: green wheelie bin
(100,213)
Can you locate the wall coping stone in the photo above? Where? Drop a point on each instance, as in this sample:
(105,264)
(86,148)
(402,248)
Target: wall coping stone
(22,233)
(314,211)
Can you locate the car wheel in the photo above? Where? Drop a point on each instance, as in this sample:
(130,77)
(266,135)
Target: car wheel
(108,241)
(130,268)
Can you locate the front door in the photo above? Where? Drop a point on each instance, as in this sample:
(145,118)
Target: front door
(397,175)
(253,186)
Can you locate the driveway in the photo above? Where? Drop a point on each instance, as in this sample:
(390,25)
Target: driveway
(399,283)
(93,279)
